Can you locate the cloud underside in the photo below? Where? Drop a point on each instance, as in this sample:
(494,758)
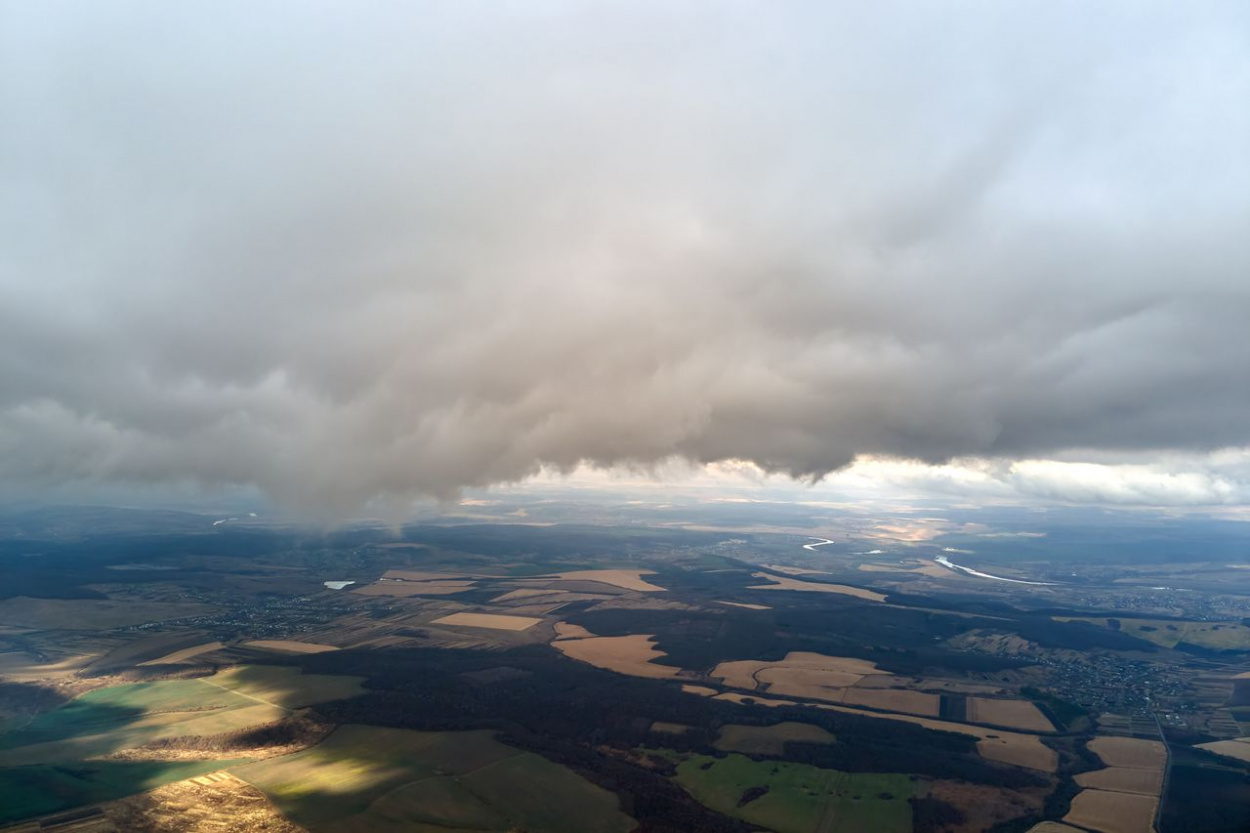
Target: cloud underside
(342,256)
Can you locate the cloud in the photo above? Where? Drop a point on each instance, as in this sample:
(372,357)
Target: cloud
(340,254)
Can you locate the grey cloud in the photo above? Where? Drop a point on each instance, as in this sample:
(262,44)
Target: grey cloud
(403,249)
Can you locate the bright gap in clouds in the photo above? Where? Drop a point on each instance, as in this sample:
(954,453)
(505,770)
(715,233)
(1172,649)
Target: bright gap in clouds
(1207,482)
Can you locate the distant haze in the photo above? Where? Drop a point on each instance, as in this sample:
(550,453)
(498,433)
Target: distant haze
(343,252)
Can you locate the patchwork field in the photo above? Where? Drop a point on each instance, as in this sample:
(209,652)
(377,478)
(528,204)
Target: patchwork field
(284,686)
(39,789)
(795,798)
(21,667)
(895,700)
(185,654)
(91,614)
(107,720)
(992,744)
(363,778)
(289,646)
(794,571)
(785,583)
(1015,714)
(799,671)
(768,740)
(415,587)
(212,803)
(492,621)
(669,728)
(700,690)
(624,579)
(1217,636)
(64,755)
(634,655)
(1123,779)
(527,593)
(1129,752)
(566,631)
(1238,749)
(1123,797)
(834,679)
(1112,812)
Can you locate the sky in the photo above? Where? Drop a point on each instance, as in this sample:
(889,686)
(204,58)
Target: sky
(349,253)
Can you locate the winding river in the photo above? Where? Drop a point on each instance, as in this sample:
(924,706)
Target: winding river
(946,562)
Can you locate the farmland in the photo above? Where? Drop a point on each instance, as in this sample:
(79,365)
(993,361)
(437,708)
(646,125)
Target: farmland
(626,638)
(89,614)
(365,778)
(1014,714)
(72,754)
(768,740)
(785,583)
(798,798)
(1169,633)
(1123,796)
(1129,752)
(488,620)
(624,579)
(633,655)
(1238,748)
(288,646)
(34,790)
(1112,812)
(197,804)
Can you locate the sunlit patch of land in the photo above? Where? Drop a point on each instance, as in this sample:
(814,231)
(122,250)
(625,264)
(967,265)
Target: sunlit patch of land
(493,621)
(369,778)
(215,801)
(526,593)
(1123,779)
(634,655)
(416,583)
(1112,812)
(745,605)
(289,646)
(564,630)
(1012,713)
(185,654)
(1216,636)
(700,690)
(1130,752)
(794,571)
(1236,748)
(624,579)
(785,583)
(121,739)
(799,672)
(791,797)
(992,744)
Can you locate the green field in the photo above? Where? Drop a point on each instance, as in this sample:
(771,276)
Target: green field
(52,764)
(35,790)
(109,720)
(768,740)
(1215,636)
(800,798)
(285,687)
(363,778)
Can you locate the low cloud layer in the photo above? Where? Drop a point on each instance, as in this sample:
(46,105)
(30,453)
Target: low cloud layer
(348,252)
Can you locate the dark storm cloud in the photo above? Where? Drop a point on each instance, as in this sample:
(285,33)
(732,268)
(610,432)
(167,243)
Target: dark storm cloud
(341,251)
